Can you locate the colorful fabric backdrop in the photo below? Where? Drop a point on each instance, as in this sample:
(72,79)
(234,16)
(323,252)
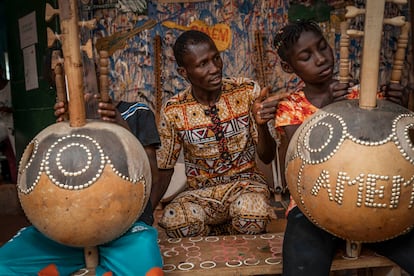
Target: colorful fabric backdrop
(133,72)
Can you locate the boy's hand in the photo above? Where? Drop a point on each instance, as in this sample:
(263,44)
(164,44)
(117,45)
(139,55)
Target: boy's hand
(396,93)
(339,91)
(60,110)
(107,111)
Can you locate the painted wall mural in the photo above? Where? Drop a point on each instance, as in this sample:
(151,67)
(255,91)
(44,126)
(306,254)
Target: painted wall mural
(137,38)
(133,71)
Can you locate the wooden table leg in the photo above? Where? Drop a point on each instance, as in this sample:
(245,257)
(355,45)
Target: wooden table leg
(353,249)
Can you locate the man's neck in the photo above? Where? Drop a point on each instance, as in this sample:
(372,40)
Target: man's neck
(209,99)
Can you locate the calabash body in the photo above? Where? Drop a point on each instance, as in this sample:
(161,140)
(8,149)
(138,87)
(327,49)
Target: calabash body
(84,186)
(351,170)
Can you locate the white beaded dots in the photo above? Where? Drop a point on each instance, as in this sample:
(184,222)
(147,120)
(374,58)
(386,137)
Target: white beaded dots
(336,134)
(401,126)
(61,149)
(369,190)
(53,163)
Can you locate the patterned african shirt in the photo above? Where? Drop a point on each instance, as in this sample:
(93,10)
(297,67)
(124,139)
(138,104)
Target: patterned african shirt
(219,142)
(295,109)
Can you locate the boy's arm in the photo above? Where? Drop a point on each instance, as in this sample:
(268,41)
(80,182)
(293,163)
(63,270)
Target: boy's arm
(163,177)
(290,130)
(396,93)
(160,178)
(107,112)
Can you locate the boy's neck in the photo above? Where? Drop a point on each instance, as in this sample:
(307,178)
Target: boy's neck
(318,96)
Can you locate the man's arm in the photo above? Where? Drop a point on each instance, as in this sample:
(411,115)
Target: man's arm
(264,109)
(266,145)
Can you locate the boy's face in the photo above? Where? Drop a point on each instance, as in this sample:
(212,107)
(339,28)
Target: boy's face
(203,67)
(311,58)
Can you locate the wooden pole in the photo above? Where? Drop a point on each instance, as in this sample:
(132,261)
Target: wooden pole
(344,53)
(60,87)
(374,15)
(157,75)
(103,75)
(91,259)
(411,96)
(399,56)
(68,13)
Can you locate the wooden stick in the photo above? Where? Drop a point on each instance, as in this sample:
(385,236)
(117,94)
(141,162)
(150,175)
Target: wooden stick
(399,55)
(355,33)
(118,40)
(344,53)
(103,76)
(260,62)
(89,24)
(91,259)
(87,48)
(73,61)
(50,12)
(51,37)
(411,96)
(371,53)
(397,21)
(180,1)
(157,73)
(397,1)
(353,249)
(352,12)
(60,88)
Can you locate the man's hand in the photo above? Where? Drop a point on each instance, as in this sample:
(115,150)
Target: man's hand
(264,107)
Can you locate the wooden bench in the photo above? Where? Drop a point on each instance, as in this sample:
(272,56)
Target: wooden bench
(252,255)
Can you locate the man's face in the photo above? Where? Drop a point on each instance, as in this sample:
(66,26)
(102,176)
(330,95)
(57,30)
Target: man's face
(203,67)
(311,58)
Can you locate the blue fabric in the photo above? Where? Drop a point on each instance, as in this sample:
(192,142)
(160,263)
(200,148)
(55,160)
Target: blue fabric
(29,251)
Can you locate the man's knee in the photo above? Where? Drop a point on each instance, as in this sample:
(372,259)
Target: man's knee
(250,213)
(183,219)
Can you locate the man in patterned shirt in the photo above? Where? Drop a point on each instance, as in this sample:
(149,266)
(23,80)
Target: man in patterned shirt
(218,125)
